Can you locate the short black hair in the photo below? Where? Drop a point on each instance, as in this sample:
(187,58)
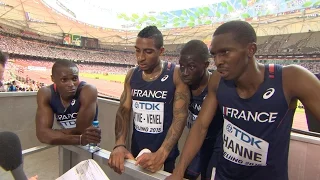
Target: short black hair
(197,48)
(3,58)
(62,63)
(242,31)
(153,33)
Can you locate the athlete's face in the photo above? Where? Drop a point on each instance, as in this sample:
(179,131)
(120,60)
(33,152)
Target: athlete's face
(147,53)
(66,80)
(192,68)
(231,57)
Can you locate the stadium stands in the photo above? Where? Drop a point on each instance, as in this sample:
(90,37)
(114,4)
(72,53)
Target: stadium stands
(30,50)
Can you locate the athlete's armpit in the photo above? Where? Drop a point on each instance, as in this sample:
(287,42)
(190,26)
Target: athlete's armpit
(124,111)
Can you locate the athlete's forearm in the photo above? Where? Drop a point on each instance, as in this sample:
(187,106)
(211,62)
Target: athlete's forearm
(56,137)
(192,145)
(70,131)
(122,125)
(180,114)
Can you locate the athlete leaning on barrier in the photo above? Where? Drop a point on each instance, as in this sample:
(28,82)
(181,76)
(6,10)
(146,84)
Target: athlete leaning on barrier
(194,62)
(258,103)
(159,100)
(74,104)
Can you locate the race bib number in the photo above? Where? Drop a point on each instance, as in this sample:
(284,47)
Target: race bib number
(68,123)
(191,119)
(148,116)
(243,148)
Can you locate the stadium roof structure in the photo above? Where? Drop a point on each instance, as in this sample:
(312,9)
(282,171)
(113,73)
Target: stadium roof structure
(120,27)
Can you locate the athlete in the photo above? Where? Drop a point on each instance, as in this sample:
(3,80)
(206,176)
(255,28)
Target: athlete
(159,100)
(74,105)
(313,123)
(194,61)
(258,103)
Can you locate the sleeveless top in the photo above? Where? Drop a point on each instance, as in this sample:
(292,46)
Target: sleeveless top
(194,109)
(256,131)
(67,117)
(152,106)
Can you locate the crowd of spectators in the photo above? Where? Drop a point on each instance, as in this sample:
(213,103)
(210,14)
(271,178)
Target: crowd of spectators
(41,51)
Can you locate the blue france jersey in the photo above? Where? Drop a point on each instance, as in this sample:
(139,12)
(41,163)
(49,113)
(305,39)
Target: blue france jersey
(194,109)
(256,131)
(152,106)
(67,117)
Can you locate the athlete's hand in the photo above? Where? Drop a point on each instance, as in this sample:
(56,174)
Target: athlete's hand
(91,135)
(117,157)
(151,161)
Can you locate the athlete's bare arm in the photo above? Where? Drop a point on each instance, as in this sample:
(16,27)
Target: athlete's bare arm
(120,153)
(299,83)
(44,123)
(199,130)
(87,111)
(124,112)
(180,114)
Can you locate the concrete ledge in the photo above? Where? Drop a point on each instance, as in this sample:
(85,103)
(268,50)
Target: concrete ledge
(17,94)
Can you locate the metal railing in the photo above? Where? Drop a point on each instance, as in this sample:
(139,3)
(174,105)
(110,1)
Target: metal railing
(36,149)
(69,156)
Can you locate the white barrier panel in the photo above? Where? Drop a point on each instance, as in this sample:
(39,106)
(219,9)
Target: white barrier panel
(69,156)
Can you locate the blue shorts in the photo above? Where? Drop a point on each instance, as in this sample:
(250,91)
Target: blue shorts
(206,159)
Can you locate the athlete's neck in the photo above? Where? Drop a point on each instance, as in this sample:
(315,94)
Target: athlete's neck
(252,77)
(66,99)
(156,69)
(202,82)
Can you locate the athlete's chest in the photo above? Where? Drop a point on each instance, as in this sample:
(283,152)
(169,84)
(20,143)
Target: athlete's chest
(159,90)
(66,115)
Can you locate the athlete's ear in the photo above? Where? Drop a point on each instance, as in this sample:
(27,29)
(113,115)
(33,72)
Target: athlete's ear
(161,51)
(252,49)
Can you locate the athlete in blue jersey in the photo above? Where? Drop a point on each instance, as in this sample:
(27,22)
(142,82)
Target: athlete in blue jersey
(159,100)
(194,61)
(74,104)
(258,102)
